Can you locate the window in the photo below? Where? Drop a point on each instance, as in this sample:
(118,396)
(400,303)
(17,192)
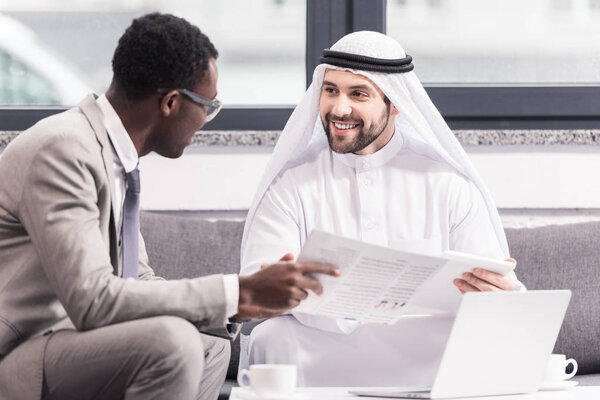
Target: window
(500,42)
(261,45)
(30,74)
(505,63)
(20,85)
(485,63)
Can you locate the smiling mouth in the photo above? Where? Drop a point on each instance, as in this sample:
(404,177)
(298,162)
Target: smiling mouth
(342,128)
(345,126)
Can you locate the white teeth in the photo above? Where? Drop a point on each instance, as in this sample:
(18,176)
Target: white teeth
(343,126)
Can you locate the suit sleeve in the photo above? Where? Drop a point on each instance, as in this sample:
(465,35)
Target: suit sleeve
(59,209)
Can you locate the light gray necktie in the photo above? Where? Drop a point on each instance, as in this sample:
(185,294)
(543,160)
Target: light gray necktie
(131,224)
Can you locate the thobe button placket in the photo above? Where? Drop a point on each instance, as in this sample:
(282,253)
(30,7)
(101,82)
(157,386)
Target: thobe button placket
(365,178)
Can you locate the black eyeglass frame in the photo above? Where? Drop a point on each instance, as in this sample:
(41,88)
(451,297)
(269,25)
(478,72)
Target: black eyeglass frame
(214,105)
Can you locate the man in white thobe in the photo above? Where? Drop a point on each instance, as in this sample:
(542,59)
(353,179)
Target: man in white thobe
(379,165)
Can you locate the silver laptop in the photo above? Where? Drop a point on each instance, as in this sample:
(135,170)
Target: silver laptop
(499,344)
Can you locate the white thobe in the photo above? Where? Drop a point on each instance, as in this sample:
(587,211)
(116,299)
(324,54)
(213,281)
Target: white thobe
(394,198)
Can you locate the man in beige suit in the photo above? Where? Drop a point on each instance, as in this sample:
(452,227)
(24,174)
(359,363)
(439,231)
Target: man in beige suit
(78,318)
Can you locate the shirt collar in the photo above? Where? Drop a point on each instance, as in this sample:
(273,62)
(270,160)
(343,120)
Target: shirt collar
(371,161)
(118,136)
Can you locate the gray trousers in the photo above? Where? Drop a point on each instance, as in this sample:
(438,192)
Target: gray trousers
(153,358)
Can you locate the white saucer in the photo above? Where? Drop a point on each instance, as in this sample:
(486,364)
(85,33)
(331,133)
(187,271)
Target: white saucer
(247,395)
(561,385)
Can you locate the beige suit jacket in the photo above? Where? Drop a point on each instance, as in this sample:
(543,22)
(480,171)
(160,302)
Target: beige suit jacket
(59,264)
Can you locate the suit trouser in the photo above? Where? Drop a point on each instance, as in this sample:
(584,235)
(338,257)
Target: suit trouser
(153,358)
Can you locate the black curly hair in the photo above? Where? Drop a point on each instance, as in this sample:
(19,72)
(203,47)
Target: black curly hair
(160,51)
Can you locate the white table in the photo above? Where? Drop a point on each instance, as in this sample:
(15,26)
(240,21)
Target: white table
(341,393)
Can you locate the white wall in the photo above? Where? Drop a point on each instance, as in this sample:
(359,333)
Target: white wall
(225,178)
(540,176)
(204,178)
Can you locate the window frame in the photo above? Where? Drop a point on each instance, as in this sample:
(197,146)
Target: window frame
(463,107)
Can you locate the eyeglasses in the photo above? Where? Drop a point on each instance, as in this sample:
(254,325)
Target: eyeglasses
(212,106)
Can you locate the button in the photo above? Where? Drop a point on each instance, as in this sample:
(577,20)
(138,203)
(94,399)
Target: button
(367,182)
(366,163)
(370,225)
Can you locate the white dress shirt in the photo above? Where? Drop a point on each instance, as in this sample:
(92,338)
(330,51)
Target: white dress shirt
(394,197)
(125,160)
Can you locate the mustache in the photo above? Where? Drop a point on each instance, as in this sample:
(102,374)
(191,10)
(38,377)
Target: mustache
(347,119)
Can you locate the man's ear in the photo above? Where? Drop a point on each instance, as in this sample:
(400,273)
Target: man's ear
(170,103)
(393,110)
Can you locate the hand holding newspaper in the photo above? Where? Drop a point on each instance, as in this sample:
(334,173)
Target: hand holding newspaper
(379,284)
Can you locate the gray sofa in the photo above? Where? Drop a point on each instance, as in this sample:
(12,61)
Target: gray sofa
(552,257)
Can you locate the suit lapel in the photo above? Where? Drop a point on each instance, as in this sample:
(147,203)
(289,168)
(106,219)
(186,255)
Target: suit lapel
(90,109)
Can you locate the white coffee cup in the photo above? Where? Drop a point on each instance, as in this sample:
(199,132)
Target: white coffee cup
(269,379)
(556,368)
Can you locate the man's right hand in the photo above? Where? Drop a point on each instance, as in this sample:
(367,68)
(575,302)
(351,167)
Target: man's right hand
(278,287)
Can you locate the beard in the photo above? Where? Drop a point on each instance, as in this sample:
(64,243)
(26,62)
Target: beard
(365,136)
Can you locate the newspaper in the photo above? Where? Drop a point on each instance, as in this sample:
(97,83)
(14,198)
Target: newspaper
(379,284)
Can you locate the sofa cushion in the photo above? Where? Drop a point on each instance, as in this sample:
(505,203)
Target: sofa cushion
(566,257)
(183,247)
(551,257)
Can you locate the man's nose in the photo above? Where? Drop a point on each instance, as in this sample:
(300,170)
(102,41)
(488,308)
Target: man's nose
(342,106)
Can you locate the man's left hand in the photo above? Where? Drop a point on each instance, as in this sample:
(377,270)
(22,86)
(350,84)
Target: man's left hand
(482,280)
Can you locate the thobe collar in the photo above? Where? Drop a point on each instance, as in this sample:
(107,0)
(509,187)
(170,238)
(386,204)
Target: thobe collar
(118,135)
(372,161)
